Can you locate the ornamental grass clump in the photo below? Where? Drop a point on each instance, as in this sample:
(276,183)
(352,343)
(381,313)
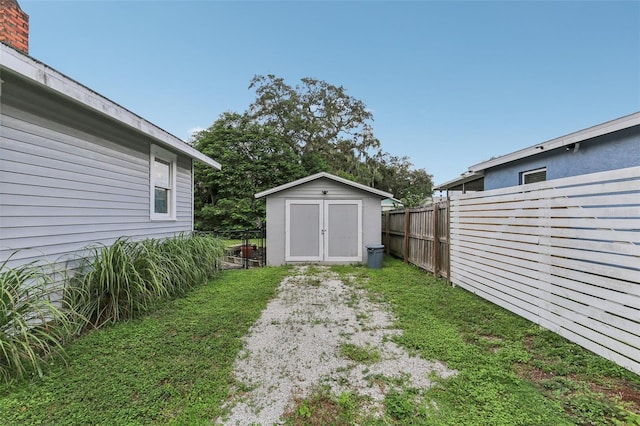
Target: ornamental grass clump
(115,282)
(32,326)
(190,259)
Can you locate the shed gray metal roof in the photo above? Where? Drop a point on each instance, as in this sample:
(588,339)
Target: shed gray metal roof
(29,68)
(381,194)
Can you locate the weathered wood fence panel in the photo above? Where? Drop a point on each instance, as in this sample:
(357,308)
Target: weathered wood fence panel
(563,253)
(393,232)
(420,236)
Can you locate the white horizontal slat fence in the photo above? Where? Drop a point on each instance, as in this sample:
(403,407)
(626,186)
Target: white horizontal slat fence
(564,254)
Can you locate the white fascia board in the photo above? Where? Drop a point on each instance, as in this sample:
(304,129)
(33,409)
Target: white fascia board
(304,180)
(31,69)
(393,200)
(579,136)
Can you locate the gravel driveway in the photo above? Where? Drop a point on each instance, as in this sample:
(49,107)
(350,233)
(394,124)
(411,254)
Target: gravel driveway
(302,341)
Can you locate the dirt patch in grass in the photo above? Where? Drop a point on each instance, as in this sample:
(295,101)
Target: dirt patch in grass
(618,395)
(534,374)
(317,411)
(627,393)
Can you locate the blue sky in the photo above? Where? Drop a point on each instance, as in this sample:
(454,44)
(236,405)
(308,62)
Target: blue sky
(450,84)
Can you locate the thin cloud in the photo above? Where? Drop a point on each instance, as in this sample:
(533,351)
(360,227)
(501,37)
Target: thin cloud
(191,132)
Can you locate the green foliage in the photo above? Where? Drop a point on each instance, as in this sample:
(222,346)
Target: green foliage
(320,121)
(289,132)
(496,354)
(254,158)
(332,131)
(303,410)
(324,408)
(361,354)
(115,282)
(396,175)
(32,327)
(187,260)
(172,366)
(175,364)
(400,405)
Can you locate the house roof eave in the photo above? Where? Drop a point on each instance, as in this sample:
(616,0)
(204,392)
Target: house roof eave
(466,178)
(31,69)
(575,137)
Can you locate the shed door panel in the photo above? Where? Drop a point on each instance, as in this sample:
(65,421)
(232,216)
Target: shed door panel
(343,230)
(303,239)
(323,230)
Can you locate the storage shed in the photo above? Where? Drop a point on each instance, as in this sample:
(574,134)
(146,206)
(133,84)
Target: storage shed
(322,218)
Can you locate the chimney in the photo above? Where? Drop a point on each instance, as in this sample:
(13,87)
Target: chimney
(14,26)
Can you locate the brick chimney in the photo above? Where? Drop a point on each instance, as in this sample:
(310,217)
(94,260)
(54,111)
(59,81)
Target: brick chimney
(14,26)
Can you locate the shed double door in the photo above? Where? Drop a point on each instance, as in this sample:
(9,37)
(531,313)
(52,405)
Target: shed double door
(323,230)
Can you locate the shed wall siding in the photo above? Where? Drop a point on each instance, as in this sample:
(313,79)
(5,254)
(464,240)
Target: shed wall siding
(275,230)
(609,152)
(63,188)
(371,208)
(313,190)
(371,223)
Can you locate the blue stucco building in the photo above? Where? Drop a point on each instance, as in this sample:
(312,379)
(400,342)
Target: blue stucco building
(607,146)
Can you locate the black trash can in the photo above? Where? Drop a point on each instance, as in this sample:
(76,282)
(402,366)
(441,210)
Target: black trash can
(375,254)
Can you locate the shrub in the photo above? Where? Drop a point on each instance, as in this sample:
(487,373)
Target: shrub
(115,282)
(31,325)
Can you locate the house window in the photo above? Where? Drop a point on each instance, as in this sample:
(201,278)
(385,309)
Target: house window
(533,176)
(163,184)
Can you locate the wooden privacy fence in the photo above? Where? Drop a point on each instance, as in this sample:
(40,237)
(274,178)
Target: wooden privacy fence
(564,254)
(420,236)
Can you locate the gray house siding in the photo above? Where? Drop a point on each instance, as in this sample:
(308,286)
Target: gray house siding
(613,151)
(70,177)
(276,205)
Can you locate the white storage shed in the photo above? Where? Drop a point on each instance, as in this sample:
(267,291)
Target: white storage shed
(322,218)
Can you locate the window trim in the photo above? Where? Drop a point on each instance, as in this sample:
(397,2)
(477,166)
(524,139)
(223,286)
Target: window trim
(531,172)
(172,159)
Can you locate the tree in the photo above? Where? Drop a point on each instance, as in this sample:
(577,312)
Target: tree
(289,132)
(253,158)
(396,175)
(329,130)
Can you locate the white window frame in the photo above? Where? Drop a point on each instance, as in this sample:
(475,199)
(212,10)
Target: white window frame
(531,172)
(172,159)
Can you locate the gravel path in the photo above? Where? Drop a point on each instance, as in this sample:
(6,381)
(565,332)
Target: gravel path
(297,343)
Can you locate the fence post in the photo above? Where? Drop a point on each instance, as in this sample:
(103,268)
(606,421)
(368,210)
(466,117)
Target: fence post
(448,238)
(407,219)
(387,237)
(436,240)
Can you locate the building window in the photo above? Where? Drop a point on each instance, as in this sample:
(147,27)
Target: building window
(163,184)
(533,176)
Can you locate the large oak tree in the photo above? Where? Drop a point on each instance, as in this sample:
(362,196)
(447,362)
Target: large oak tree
(289,132)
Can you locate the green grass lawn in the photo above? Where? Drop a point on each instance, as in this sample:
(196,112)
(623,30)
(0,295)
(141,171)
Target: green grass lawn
(171,366)
(232,243)
(511,371)
(174,365)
